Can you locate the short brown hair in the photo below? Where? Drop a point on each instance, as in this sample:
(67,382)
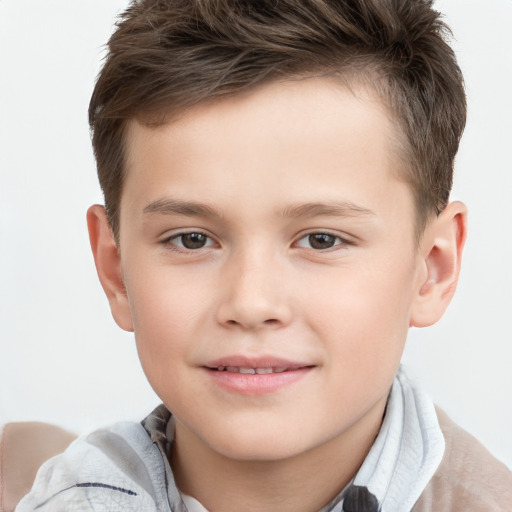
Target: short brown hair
(168,55)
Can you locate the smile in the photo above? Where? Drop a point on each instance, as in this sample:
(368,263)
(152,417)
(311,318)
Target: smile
(256,376)
(250,371)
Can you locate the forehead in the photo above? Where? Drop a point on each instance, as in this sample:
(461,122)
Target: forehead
(291,101)
(296,141)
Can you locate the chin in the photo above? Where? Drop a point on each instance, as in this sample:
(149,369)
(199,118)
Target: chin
(258,442)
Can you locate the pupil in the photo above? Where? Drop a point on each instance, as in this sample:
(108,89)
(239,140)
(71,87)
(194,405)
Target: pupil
(193,240)
(321,241)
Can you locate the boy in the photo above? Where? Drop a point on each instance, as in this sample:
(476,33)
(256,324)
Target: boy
(276,179)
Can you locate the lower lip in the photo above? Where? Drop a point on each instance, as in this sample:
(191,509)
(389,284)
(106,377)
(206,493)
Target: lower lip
(256,384)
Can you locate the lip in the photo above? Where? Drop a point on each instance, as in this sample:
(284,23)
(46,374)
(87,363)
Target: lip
(289,372)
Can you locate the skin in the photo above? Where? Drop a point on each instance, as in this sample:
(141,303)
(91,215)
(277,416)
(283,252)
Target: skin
(244,172)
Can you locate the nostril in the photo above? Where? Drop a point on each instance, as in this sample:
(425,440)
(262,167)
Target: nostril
(270,322)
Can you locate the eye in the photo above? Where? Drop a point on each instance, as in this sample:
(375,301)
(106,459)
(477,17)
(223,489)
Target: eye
(320,241)
(190,241)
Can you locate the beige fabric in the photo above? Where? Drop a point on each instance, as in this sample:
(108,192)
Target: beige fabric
(469,478)
(24,446)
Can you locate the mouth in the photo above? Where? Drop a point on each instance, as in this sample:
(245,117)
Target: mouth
(254,371)
(256,376)
(261,365)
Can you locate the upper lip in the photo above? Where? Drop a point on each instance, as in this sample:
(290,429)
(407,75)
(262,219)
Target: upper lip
(256,362)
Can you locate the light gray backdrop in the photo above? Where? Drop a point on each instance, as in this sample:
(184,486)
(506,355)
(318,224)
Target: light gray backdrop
(63,360)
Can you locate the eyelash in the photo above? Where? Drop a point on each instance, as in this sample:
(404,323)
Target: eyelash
(170,242)
(341,242)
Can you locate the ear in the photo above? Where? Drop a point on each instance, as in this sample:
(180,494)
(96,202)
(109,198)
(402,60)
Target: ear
(108,265)
(442,253)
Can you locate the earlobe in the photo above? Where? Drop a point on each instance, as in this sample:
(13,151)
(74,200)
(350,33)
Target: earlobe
(443,245)
(108,265)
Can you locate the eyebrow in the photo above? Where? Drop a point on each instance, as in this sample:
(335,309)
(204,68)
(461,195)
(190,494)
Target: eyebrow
(336,209)
(175,207)
(194,209)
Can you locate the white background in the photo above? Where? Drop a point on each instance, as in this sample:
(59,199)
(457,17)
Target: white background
(63,360)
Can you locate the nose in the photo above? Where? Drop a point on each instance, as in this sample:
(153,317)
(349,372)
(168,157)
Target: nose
(253,293)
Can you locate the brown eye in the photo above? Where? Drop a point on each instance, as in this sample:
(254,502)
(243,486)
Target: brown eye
(191,240)
(322,240)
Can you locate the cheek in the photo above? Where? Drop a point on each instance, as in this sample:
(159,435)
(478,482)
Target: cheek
(363,314)
(167,315)
(364,334)
(164,300)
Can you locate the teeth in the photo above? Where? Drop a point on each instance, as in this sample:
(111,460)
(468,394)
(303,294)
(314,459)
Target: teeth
(250,371)
(261,371)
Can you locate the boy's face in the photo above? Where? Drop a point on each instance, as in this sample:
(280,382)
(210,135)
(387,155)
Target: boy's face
(269,231)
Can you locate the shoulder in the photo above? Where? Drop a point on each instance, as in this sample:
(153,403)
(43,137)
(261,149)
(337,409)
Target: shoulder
(118,468)
(469,478)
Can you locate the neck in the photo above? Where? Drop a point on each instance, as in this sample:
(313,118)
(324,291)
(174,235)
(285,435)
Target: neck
(301,483)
